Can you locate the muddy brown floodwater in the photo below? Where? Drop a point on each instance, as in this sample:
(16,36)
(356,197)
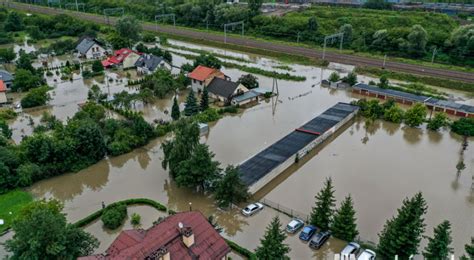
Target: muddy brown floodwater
(378,165)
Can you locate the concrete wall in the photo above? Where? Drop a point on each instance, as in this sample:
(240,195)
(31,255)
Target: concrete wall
(301,153)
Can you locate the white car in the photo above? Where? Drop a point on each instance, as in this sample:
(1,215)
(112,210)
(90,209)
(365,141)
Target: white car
(367,254)
(351,249)
(252,209)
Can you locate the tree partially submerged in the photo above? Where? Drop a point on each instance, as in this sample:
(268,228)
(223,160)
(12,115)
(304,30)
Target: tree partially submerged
(230,188)
(271,245)
(439,245)
(322,213)
(344,226)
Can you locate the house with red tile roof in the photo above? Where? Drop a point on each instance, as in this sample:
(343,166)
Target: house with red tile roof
(118,58)
(3,92)
(185,235)
(201,76)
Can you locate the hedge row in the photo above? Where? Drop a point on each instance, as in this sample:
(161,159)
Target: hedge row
(243,251)
(92,217)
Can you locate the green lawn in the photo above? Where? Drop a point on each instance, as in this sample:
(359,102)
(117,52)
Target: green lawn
(10,205)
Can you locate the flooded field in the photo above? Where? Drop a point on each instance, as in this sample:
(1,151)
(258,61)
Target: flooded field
(378,165)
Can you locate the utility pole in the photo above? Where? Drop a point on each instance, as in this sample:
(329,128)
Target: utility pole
(298,37)
(77,7)
(332,38)
(435,51)
(384,60)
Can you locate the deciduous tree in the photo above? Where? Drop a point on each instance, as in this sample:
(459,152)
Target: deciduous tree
(416,115)
(439,120)
(230,189)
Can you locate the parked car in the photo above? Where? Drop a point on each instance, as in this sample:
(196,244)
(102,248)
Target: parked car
(319,239)
(294,225)
(252,209)
(367,254)
(351,249)
(307,233)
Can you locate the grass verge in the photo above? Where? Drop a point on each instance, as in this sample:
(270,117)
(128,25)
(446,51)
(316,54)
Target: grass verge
(437,82)
(13,202)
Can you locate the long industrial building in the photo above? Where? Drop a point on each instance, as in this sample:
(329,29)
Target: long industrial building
(449,107)
(260,169)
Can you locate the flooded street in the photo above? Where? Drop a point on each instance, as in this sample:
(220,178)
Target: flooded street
(378,165)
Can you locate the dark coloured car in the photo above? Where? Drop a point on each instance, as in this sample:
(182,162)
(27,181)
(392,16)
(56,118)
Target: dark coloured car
(319,239)
(307,233)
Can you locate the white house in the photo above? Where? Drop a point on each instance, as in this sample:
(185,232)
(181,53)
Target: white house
(90,49)
(201,76)
(130,60)
(229,92)
(149,63)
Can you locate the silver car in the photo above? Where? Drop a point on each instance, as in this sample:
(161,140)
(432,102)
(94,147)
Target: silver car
(252,209)
(294,225)
(351,249)
(367,254)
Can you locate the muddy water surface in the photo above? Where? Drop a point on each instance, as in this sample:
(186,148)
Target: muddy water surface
(378,166)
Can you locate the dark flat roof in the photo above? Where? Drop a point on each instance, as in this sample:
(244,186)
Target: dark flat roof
(417,98)
(264,162)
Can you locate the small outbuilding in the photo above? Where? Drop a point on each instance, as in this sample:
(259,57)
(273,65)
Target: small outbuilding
(90,48)
(7,79)
(149,63)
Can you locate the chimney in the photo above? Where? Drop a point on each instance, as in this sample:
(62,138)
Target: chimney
(187,234)
(163,254)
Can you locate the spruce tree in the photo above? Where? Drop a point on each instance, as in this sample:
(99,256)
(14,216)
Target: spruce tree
(191,108)
(324,208)
(438,245)
(401,235)
(272,246)
(469,250)
(204,99)
(344,226)
(175,113)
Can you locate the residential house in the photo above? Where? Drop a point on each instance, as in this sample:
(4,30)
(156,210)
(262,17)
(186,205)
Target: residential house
(229,92)
(131,59)
(7,78)
(119,57)
(90,48)
(201,76)
(149,63)
(3,93)
(185,235)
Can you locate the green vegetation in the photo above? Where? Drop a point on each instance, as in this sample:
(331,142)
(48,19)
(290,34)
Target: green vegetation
(162,82)
(36,97)
(208,60)
(415,115)
(438,245)
(7,114)
(438,121)
(114,215)
(344,224)
(249,81)
(463,126)
(402,234)
(7,55)
(271,245)
(41,232)
(139,201)
(204,105)
(12,202)
(230,189)
(438,82)
(241,250)
(322,213)
(175,113)
(129,29)
(135,219)
(469,250)
(191,107)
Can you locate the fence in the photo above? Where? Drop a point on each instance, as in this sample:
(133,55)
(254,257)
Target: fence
(285,210)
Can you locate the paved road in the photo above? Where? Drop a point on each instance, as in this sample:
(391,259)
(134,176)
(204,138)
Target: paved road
(270,46)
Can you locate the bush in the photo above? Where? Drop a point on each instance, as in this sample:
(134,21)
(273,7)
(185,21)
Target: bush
(7,114)
(114,215)
(36,97)
(135,220)
(209,115)
(229,109)
(243,251)
(463,126)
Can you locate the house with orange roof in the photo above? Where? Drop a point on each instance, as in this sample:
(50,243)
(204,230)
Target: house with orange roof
(201,76)
(3,93)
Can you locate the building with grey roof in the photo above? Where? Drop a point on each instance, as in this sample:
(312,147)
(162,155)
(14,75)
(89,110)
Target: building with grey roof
(7,78)
(149,63)
(90,48)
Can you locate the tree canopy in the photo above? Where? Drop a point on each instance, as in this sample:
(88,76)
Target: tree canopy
(271,245)
(322,213)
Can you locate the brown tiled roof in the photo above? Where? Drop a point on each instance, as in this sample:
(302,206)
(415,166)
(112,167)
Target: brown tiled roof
(138,244)
(202,73)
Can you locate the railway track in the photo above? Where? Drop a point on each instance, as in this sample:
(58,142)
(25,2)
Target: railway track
(270,46)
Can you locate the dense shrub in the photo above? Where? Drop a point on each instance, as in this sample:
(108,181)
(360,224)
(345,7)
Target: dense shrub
(463,126)
(36,97)
(114,215)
